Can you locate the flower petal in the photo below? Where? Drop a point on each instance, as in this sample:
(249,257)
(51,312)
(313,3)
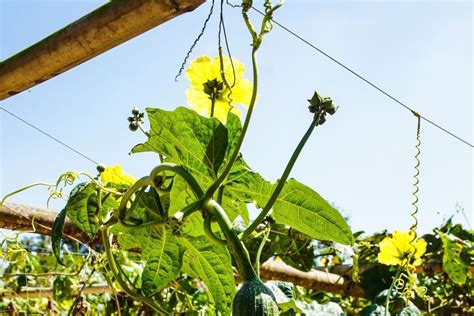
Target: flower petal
(114,174)
(200,71)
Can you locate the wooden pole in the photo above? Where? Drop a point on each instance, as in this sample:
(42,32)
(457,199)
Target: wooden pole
(108,26)
(29,219)
(35,220)
(334,279)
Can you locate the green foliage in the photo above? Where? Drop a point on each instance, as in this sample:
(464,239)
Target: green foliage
(297,206)
(212,264)
(162,253)
(291,246)
(57,234)
(187,139)
(83,208)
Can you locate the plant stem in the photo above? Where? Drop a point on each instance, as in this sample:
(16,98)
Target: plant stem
(210,192)
(210,233)
(190,180)
(213,103)
(387,300)
(24,188)
(236,247)
(260,249)
(282,181)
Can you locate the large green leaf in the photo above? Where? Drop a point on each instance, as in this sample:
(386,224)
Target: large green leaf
(189,139)
(297,206)
(454,266)
(163,260)
(82,208)
(212,264)
(161,252)
(201,145)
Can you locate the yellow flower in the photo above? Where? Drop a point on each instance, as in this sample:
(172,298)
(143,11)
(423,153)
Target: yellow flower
(204,70)
(114,174)
(400,250)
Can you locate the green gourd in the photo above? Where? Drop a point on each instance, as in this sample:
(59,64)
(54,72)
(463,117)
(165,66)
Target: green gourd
(254,299)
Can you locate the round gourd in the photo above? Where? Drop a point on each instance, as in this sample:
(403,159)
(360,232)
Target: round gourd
(254,299)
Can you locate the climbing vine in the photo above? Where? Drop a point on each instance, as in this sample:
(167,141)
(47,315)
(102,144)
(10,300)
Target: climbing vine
(174,240)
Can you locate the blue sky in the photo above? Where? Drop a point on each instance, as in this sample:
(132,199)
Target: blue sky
(361,160)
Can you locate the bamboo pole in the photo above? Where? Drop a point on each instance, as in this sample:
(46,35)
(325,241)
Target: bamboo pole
(108,26)
(335,279)
(35,220)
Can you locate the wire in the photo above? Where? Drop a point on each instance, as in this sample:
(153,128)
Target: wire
(49,136)
(198,38)
(364,79)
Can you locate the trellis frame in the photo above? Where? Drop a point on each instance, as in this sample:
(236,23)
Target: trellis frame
(104,28)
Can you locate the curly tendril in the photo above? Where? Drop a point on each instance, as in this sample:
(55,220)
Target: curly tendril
(416,178)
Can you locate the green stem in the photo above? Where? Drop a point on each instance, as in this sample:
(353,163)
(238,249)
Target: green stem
(100,186)
(260,249)
(190,180)
(213,103)
(140,183)
(210,192)
(236,247)
(25,188)
(113,268)
(387,300)
(210,233)
(282,181)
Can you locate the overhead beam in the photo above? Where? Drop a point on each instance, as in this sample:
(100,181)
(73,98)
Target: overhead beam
(108,26)
(25,218)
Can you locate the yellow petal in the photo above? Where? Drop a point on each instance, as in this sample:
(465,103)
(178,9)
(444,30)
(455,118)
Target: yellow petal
(242,93)
(420,246)
(389,253)
(200,71)
(198,100)
(221,110)
(114,174)
(238,69)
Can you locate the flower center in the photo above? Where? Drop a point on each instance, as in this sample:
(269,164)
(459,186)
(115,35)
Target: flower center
(214,88)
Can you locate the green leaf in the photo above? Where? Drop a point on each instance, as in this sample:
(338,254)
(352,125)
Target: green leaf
(201,145)
(454,266)
(212,264)
(181,196)
(188,139)
(163,257)
(160,250)
(57,234)
(81,208)
(297,206)
(291,246)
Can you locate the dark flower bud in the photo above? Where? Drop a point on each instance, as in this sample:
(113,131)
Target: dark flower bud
(135,111)
(316,100)
(131,119)
(331,110)
(133,126)
(100,168)
(322,120)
